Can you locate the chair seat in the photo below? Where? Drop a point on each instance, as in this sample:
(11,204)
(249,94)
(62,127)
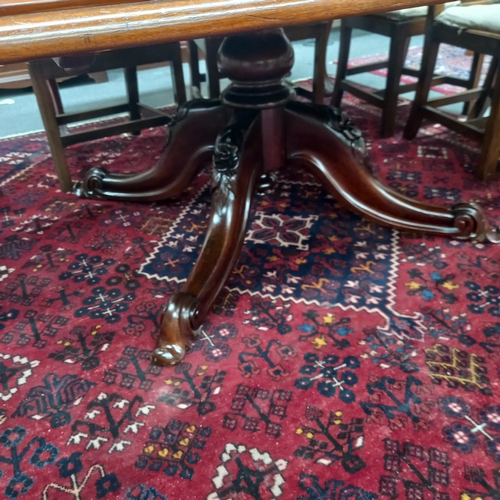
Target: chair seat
(403,14)
(406,14)
(484,18)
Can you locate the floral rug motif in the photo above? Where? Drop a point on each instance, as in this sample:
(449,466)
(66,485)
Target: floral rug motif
(342,360)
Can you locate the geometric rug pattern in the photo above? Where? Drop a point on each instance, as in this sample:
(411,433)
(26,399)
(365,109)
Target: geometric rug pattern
(343,360)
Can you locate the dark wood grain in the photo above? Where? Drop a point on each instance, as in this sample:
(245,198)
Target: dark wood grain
(237,153)
(192,136)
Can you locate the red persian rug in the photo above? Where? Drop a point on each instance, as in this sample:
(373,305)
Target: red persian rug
(343,361)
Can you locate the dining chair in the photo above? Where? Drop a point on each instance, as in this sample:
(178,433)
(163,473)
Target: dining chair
(473,26)
(44,73)
(399,26)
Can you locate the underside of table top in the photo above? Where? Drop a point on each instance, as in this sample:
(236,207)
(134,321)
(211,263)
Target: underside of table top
(35,34)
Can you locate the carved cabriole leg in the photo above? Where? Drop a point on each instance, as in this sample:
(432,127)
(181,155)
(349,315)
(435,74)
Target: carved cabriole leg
(323,140)
(237,166)
(192,135)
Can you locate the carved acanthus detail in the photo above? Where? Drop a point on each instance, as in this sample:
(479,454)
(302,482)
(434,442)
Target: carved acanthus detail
(345,130)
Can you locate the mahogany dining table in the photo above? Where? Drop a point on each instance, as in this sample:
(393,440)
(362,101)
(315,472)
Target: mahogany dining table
(33,29)
(254,129)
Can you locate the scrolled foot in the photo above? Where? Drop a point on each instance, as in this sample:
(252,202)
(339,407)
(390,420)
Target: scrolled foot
(473,225)
(176,331)
(92,185)
(169,355)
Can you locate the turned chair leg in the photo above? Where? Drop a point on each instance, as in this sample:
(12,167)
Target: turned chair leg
(490,152)
(397,55)
(345,45)
(429,59)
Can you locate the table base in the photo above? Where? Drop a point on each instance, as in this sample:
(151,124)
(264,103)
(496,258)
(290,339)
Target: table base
(254,131)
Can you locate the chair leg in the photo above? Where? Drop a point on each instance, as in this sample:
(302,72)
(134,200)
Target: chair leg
(194,67)
(429,58)
(133,95)
(56,96)
(213,75)
(345,45)
(490,151)
(475,76)
(58,105)
(320,74)
(178,76)
(397,55)
(482,104)
(48,111)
